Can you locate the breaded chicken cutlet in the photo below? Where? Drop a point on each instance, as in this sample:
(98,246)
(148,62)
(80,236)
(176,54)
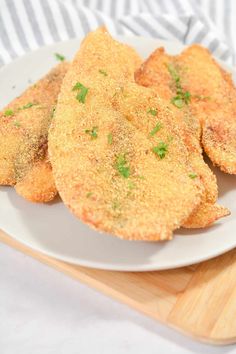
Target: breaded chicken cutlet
(117,165)
(24,125)
(212,97)
(161,72)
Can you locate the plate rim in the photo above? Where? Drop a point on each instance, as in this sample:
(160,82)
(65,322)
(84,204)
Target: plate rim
(119,268)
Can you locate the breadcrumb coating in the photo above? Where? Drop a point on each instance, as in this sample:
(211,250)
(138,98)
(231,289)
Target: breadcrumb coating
(24,125)
(110,169)
(204,77)
(166,74)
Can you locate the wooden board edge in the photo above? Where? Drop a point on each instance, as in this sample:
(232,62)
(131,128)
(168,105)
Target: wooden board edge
(66,269)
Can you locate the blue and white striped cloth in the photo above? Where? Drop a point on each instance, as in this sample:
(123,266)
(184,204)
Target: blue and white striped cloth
(26,25)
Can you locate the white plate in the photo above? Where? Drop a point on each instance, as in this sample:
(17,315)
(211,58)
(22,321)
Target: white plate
(53,230)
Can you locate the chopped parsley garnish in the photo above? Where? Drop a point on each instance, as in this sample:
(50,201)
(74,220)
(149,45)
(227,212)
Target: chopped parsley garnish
(174,74)
(152,111)
(103,72)
(187,97)
(28,105)
(182,98)
(59,57)
(8,112)
(81,95)
(161,149)
(156,129)
(110,138)
(122,166)
(177,101)
(192,175)
(89,194)
(16,123)
(92,132)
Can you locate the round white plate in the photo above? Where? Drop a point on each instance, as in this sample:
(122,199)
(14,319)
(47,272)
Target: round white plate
(53,230)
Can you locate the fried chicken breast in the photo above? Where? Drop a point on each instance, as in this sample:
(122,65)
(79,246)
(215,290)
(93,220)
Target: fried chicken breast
(118,158)
(24,127)
(161,72)
(213,99)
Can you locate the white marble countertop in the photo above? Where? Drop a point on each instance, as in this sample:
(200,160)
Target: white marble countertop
(44,311)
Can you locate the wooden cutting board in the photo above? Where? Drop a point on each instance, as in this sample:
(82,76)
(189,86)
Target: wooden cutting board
(199,301)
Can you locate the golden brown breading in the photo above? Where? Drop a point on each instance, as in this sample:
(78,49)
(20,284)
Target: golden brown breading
(159,72)
(113,167)
(38,184)
(24,127)
(214,103)
(205,215)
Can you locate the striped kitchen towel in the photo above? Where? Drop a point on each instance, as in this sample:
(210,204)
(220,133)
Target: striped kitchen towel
(26,25)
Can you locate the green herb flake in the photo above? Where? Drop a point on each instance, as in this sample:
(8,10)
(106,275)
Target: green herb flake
(187,97)
(161,150)
(59,57)
(8,113)
(182,98)
(173,73)
(16,123)
(152,111)
(177,101)
(156,129)
(192,175)
(28,105)
(92,132)
(103,72)
(122,166)
(82,92)
(110,138)
(89,194)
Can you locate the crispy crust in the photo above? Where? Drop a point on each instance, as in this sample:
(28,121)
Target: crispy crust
(205,77)
(23,138)
(154,73)
(158,194)
(219,142)
(38,185)
(206,215)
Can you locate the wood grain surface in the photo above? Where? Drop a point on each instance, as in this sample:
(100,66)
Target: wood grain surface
(199,301)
